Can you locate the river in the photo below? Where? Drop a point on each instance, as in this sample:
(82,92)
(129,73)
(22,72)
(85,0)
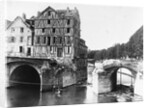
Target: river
(76,94)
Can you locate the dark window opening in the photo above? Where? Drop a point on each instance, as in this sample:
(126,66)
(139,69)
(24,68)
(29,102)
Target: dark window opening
(29,52)
(68,49)
(68,30)
(21,39)
(49,13)
(54,30)
(44,40)
(50,48)
(48,21)
(54,40)
(38,40)
(21,29)
(49,41)
(12,39)
(43,30)
(68,40)
(59,40)
(21,49)
(68,22)
(59,52)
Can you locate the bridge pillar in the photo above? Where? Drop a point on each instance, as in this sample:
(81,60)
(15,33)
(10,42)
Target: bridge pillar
(102,81)
(138,86)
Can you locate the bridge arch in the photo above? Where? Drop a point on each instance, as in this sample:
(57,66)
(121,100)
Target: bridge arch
(114,69)
(112,74)
(25,74)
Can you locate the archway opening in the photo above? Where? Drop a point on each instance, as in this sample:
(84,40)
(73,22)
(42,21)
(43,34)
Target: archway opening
(25,76)
(125,80)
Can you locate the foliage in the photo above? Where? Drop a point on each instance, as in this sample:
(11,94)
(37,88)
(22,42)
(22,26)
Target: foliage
(133,49)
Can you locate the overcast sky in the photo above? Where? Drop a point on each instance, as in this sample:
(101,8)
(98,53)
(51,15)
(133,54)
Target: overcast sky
(101,26)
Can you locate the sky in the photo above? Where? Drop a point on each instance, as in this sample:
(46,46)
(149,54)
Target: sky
(101,26)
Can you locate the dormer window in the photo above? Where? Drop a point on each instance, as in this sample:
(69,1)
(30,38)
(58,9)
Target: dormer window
(49,13)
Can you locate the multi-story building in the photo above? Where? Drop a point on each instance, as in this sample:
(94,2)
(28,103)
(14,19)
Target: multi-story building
(19,38)
(52,34)
(57,34)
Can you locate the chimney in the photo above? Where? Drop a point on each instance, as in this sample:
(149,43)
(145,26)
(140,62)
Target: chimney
(24,16)
(68,9)
(75,9)
(38,13)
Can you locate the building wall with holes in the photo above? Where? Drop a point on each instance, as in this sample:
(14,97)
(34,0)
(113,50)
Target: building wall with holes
(55,33)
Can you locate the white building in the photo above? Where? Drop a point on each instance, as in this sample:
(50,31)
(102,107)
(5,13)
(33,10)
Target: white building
(19,38)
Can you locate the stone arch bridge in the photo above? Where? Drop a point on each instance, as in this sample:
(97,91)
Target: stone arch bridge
(106,75)
(44,73)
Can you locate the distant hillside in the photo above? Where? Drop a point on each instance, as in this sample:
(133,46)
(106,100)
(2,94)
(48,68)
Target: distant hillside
(133,49)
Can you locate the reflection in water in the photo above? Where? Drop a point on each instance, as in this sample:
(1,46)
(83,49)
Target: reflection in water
(22,96)
(19,97)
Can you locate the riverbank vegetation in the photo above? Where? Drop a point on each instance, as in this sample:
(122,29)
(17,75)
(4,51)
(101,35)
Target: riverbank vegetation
(132,49)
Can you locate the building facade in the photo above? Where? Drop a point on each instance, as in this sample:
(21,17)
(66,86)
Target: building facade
(57,34)
(51,34)
(19,38)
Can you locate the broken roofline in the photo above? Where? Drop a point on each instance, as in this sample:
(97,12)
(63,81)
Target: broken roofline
(56,11)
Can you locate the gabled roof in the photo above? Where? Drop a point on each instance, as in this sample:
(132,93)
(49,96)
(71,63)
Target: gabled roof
(48,8)
(8,23)
(18,17)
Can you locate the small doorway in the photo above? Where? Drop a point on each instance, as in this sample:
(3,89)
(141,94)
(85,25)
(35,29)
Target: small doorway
(59,52)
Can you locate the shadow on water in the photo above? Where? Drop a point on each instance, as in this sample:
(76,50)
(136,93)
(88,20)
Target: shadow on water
(23,96)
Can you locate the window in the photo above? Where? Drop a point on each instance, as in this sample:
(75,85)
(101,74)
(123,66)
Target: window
(68,40)
(51,49)
(53,30)
(49,13)
(38,40)
(29,41)
(59,40)
(68,30)
(67,50)
(49,41)
(55,49)
(12,39)
(68,22)
(54,40)
(21,49)
(29,52)
(44,40)
(21,29)
(43,30)
(21,39)
(59,52)
(48,21)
